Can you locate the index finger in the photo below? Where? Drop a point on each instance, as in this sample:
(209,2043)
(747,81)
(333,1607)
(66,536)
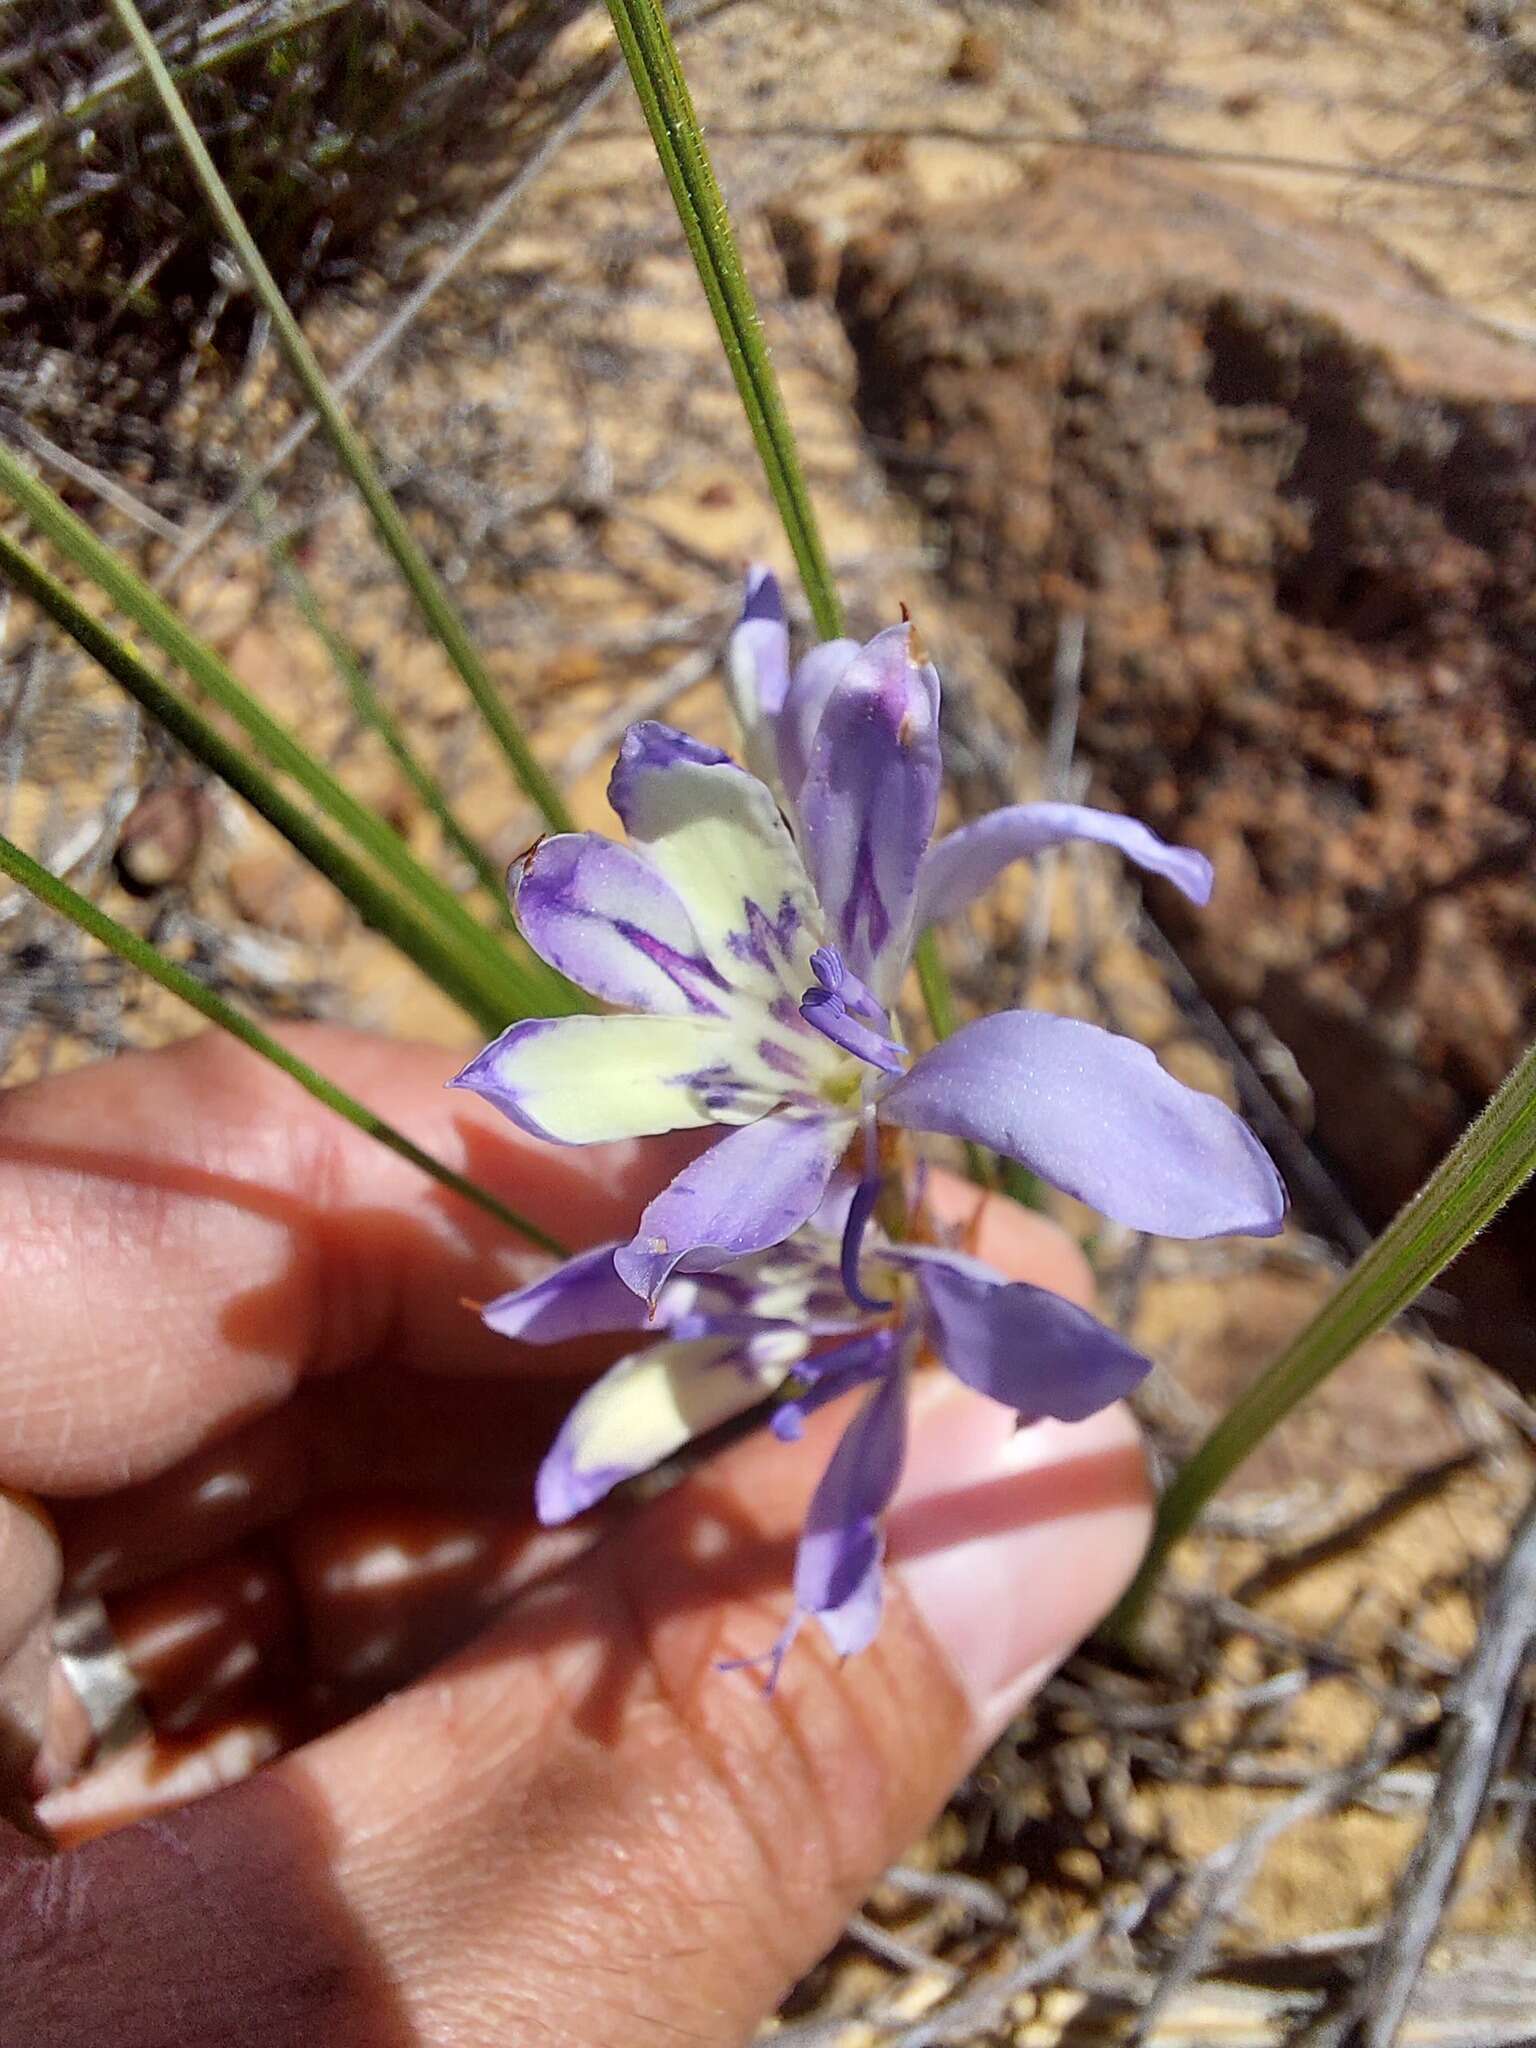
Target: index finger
(185,1234)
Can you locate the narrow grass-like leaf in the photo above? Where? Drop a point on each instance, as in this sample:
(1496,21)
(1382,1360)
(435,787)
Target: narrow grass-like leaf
(433,600)
(523,990)
(1491,1161)
(373,712)
(127,945)
(656,69)
(651,56)
(462,978)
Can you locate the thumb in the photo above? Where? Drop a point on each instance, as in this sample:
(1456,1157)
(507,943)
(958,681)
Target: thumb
(632,1846)
(581,1831)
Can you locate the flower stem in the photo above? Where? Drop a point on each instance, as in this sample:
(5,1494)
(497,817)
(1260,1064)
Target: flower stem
(127,945)
(651,55)
(433,600)
(479,982)
(1488,1164)
(657,72)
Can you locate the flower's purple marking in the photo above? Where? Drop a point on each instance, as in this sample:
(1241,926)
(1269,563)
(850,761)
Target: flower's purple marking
(762,933)
(781,1323)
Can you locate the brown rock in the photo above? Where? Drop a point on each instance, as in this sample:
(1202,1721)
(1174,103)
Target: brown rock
(978,59)
(1295,497)
(160,838)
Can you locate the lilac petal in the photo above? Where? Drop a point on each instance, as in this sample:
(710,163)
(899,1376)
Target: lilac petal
(748,1191)
(585,1294)
(970,860)
(757,669)
(1021,1345)
(837,1565)
(869,802)
(1095,1115)
(603,916)
(813,682)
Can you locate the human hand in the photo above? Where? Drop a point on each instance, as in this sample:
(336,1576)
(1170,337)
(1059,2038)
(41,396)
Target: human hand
(511,1796)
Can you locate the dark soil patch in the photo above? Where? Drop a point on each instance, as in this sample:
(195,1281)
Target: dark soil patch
(1297,505)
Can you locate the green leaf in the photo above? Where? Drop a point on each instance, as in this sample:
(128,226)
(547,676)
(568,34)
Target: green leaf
(526,989)
(1492,1160)
(90,918)
(651,56)
(433,600)
(480,985)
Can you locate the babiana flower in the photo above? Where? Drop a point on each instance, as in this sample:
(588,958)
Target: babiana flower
(786,1323)
(755,932)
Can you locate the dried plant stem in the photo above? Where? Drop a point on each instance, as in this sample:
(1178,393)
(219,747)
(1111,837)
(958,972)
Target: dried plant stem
(1489,1163)
(1477,1718)
(436,606)
(127,945)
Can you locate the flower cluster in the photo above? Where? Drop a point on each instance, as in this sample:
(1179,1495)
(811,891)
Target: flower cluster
(754,934)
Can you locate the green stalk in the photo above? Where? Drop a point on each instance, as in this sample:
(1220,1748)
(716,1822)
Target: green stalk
(458,978)
(521,992)
(431,597)
(1489,1163)
(372,711)
(657,72)
(127,945)
(651,56)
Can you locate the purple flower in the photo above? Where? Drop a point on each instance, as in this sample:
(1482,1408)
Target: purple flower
(757,933)
(782,1323)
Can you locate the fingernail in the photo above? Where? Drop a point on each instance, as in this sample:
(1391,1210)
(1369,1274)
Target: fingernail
(1014,1543)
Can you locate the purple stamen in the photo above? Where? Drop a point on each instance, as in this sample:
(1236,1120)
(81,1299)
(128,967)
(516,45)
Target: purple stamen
(860,1209)
(825,1011)
(834,973)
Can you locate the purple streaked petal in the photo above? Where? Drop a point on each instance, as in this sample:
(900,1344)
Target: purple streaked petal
(583,1295)
(970,860)
(717,836)
(603,916)
(837,1565)
(1095,1115)
(584,1080)
(1021,1345)
(869,801)
(813,682)
(641,1411)
(827,1013)
(747,1192)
